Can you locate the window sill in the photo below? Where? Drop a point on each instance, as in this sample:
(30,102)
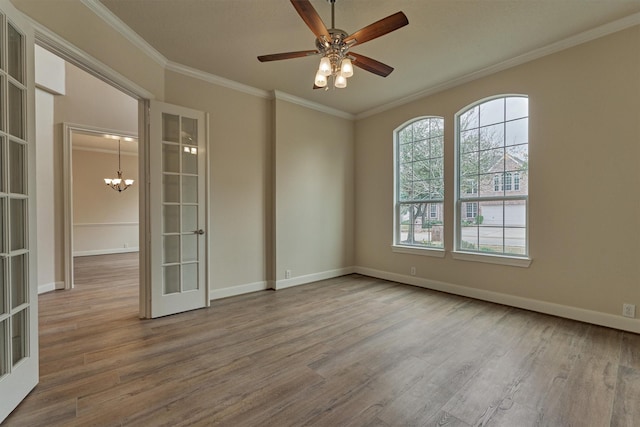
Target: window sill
(413,250)
(492,259)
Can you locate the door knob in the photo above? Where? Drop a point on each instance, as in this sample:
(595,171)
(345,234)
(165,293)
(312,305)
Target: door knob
(200,232)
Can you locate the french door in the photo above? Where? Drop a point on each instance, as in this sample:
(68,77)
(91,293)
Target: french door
(18,284)
(177,209)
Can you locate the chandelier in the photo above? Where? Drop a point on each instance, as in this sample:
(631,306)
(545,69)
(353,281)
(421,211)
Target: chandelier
(119,184)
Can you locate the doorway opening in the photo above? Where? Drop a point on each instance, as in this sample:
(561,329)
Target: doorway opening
(81,120)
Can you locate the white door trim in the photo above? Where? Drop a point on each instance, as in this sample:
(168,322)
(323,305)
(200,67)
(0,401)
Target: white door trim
(67,187)
(52,42)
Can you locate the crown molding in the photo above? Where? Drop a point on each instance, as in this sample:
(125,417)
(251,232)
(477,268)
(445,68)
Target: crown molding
(584,37)
(116,23)
(217,80)
(312,105)
(103,12)
(72,54)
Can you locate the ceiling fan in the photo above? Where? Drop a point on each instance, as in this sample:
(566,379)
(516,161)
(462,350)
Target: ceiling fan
(334,45)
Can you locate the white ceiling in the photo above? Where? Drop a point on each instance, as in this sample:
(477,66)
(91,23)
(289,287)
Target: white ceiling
(445,40)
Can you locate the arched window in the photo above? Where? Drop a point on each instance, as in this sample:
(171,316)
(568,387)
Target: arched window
(419,183)
(492,148)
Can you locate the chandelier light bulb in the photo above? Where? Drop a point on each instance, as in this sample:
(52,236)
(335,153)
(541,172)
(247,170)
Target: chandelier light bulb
(346,68)
(321,79)
(341,81)
(325,66)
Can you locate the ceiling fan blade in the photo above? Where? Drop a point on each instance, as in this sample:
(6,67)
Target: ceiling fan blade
(379,28)
(311,18)
(287,55)
(371,65)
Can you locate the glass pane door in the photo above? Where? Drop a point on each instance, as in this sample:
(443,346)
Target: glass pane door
(180,204)
(18,295)
(177,165)
(14,206)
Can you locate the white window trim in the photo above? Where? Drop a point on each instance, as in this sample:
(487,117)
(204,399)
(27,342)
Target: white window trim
(417,250)
(503,259)
(523,262)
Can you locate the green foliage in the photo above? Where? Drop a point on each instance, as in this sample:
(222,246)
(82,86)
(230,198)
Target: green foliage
(467,245)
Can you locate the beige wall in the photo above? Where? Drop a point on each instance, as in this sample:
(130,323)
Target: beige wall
(584,150)
(239,165)
(104,220)
(313,192)
(92,102)
(50,81)
(267,157)
(48,256)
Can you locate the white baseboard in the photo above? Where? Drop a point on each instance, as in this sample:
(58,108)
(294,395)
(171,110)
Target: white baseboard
(309,278)
(105,251)
(48,287)
(237,290)
(589,316)
(279,284)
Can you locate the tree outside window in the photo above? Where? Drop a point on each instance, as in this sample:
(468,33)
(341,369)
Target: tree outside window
(419,176)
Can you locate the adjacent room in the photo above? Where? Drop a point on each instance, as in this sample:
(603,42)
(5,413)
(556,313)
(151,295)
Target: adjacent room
(320,212)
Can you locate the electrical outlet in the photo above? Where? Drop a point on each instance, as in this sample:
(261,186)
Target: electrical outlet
(287,274)
(413,271)
(629,310)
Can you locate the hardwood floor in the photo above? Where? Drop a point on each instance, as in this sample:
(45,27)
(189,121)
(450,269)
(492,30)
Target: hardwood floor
(350,351)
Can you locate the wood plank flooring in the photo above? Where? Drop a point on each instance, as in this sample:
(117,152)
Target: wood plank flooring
(350,351)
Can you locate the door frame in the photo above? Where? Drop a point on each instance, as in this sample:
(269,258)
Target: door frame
(67,182)
(57,45)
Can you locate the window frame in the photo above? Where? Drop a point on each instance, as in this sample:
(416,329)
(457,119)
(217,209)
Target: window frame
(397,244)
(498,179)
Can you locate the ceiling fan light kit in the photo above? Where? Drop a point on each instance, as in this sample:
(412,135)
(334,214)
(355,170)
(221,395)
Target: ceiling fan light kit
(333,45)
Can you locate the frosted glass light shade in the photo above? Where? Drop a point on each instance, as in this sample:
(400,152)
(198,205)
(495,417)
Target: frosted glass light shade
(128,182)
(341,81)
(116,181)
(346,68)
(107,181)
(321,79)
(325,66)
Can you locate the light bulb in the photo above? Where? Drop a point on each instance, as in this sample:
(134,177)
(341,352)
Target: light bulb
(346,68)
(321,80)
(341,81)
(325,66)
